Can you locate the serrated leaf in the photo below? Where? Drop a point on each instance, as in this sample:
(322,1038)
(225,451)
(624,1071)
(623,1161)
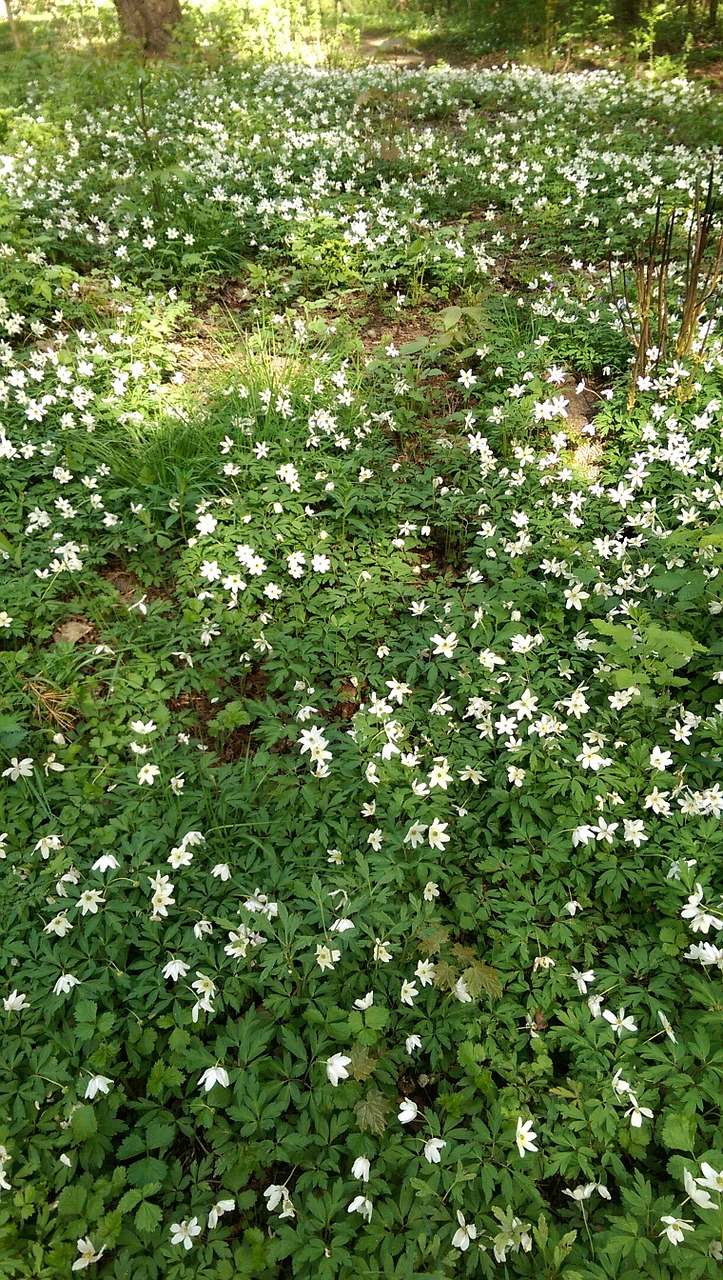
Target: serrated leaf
(363,1062)
(541,1231)
(432,939)
(293,1042)
(356,1022)
(71,1201)
(371,1112)
(86,1011)
(625,678)
(463,953)
(162,1076)
(84,1123)
(376,1017)
(129,1201)
(12,731)
(178,1040)
(469,1055)
(422,1188)
(622,635)
(678,1132)
(148,1170)
(147,1218)
(369,95)
(159,1136)
(445,976)
(481,978)
(132,1145)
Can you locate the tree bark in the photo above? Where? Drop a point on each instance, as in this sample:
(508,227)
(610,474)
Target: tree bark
(150,22)
(14,33)
(629,12)
(713,12)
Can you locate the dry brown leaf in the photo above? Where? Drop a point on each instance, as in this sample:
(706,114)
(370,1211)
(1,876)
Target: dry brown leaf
(73,630)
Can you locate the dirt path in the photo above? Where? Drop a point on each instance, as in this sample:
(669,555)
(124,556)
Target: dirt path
(392,49)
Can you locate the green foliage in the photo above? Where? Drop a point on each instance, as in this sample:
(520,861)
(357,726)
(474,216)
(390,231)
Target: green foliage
(360,687)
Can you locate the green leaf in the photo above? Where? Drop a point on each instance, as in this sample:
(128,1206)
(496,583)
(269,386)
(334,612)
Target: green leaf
(623,636)
(450,317)
(376,1016)
(12,731)
(86,1011)
(480,979)
(163,1076)
(129,1201)
(422,1188)
(148,1170)
(678,1132)
(71,1200)
(371,1112)
(541,1231)
(84,1123)
(363,1063)
(293,1042)
(179,1040)
(132,1145)
(159,1135)
(148,1217)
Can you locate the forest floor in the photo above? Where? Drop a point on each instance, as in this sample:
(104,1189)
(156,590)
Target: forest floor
(360,673)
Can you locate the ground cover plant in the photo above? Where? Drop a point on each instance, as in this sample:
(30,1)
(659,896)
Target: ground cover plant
(362,677)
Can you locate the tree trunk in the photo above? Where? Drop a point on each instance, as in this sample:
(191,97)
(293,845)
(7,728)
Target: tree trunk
(629,12)
(713,12)
(150,22)
(14,33)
